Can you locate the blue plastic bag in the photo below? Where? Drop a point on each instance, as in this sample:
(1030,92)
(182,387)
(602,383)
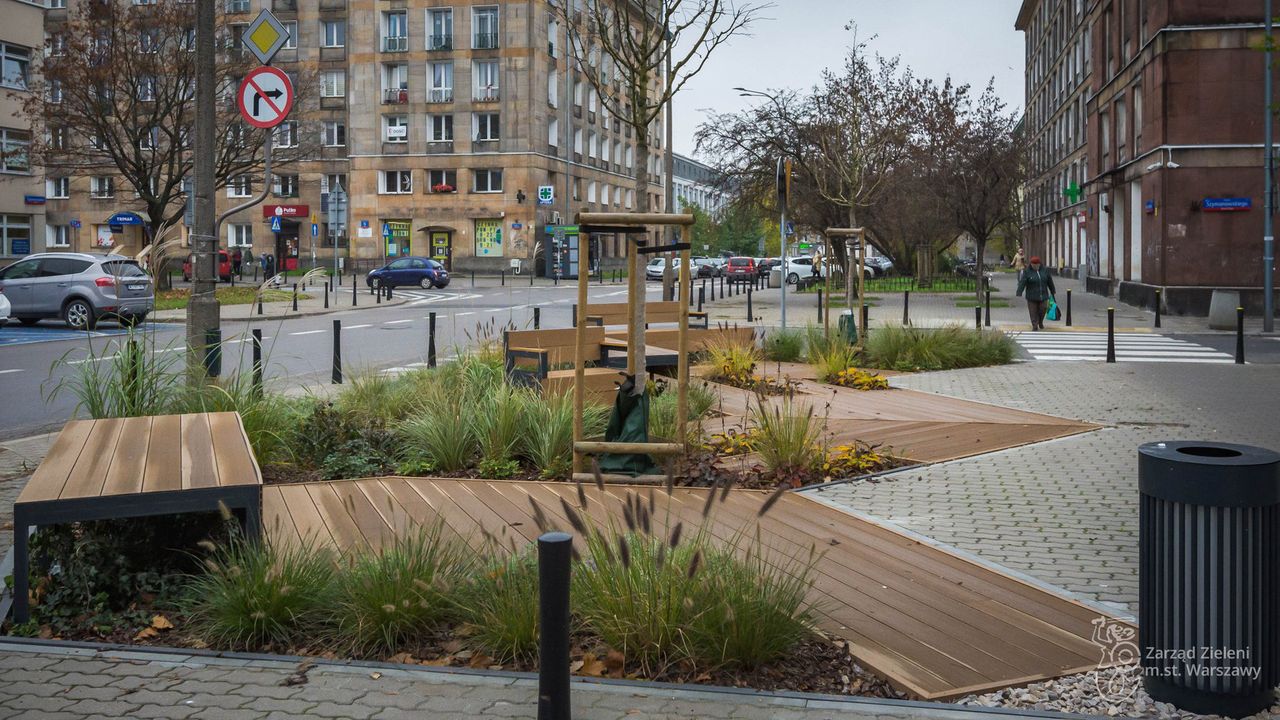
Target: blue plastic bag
(1054,313)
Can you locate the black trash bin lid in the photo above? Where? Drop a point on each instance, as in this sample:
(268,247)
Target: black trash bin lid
(1209,473)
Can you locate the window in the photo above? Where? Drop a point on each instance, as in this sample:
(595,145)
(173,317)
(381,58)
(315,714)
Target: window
(488,181)
(631,157)
(55,91)
(395,182)
(146,88)
(592,144)
(57,4)
(395,31)
(486,126)
(58,188)
(441,128)
(335,133)
(395,84)
(57,235)
(237,6)
(1137,120)
(591,191)
(485,76)
(150,139)
(15,237)
(240,235)
(334,33)
(290,42)
(553,89)
(102,187)
(488,238)
(15,70)
(604,194)
(284,185)
(1122,130)
(577,140)
(592,100)
(333,182)
(57,44)
(396,128)
(286,135)
(149,41)
(440,23)
(443,181)
(553,36)
(333,83)
(239,186)
(553,133)
(441,82)
(14,147)
(577,93)
(484,24)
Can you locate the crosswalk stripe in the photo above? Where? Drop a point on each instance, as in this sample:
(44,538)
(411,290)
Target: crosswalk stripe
(1130,347)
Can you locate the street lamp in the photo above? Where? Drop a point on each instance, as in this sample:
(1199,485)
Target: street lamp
(784,195)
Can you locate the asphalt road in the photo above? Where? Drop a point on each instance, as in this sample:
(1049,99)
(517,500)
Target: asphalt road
(298,351)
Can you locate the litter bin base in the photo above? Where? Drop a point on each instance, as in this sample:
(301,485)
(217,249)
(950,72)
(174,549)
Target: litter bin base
(1197,701)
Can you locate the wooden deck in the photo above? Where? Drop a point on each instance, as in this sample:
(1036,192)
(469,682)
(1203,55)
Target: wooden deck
(935,624)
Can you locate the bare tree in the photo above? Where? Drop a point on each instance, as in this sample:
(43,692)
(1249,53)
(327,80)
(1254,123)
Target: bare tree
(638,55)
(116,96)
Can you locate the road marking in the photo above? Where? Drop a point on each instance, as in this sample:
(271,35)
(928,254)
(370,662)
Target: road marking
(463,314)
(308,332)
(397,322)
(1130,347)
(6,372)
(357,327)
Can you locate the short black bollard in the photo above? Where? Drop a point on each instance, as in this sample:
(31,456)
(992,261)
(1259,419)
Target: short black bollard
(977,316)
(377,295)
(326,296)
(503,281)
(1111,334)
(390,289)
(1208,516)
(473,278)
(721,287)
(866,320)
(233,280)
(257,362)
(537,318)
(337,352)
(355,301)
(820,315)
(295,297)
(751,316)
(906,308)
(1158,297)
(986,320)
(554,556)
(1068,307)
(1239,336)
(431,340)
(690,292)
(255,274)
(213,352)
(702,296)
(259,303)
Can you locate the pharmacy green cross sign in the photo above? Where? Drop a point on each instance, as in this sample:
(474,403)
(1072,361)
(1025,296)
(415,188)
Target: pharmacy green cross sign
(1072,193)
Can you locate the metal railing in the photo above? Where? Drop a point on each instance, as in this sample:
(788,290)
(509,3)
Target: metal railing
(485,41)
(395,96)
(440,42)
(398,43)
(486,94)
(440,95)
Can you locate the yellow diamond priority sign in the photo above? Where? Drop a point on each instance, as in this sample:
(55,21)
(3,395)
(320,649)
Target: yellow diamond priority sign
(265,36)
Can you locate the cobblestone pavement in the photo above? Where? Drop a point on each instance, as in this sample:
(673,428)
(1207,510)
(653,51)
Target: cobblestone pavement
(1066,511)
(84,685)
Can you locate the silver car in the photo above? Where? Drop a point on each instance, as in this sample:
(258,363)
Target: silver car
(79,288)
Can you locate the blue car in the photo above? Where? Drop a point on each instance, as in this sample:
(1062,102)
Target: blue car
(423,272)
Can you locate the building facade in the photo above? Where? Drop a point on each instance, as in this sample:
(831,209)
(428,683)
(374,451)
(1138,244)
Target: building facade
(439,121)
(1172,187)
(22,196)
(697,184)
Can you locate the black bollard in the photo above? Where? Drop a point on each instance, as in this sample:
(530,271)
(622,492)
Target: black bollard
(1068,307)
(987,317)
(721,287)
(326,296)
(377,294)
(257,362)
(1111,334)
(213,352)
(255,274)
(390,288)
(337,352)
(554,555)
(690,292)
(295,297)
(503,282)
(1158,294)
(1239,336)
(530,279)
(820,315)
(866,320)
(537,318)
(355,300)
(977,316)
(259,303)
(473,278)
(702,296)
(906,308)
(233,279)
(751,316)
(431,340)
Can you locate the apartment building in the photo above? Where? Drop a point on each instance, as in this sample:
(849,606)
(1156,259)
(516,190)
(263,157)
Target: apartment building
(697,184)
(22,197)
(1057,85)
(439,120)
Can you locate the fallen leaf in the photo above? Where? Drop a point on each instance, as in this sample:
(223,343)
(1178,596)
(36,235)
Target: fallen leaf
(146,633)
(160,622)
(438,662)
(592,666)
(199,644)
(452,646)
(375,675)
(480,660)
(614,662)
(46,632)
(704,677)
(575,666)
(402,658)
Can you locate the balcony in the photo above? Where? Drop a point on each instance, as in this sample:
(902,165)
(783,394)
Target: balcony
(440,95)
(485,41)
(395,96)
(398,43)
(440,42)
(486,94)
(284,5)
(238,6)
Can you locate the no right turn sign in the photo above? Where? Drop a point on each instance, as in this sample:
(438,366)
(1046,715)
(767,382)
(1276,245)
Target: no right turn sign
(265,97)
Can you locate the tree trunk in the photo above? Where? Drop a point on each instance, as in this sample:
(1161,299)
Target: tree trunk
(981,246)
(635,333)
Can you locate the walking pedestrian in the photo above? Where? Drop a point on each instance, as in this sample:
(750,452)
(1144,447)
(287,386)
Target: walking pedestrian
(1018,263)
(1037,283)
(237,258)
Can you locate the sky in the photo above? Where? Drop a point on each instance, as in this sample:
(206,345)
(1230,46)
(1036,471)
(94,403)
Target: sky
(971,40)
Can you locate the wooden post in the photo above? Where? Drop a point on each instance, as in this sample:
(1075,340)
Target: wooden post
(682,350)
(579,351)
(862,280)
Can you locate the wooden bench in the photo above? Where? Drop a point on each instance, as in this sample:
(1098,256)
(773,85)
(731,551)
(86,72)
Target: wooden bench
(137,467)
(655,312)
(699,339)
(531,354)
(601,384)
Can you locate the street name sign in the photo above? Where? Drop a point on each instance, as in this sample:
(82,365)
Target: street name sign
(265,97)
(265,36)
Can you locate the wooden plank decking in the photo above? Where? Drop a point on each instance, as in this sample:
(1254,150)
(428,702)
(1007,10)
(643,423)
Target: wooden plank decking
(935,624)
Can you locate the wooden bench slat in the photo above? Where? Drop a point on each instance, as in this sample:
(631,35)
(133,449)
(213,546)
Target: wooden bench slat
(164,455)
(199,466)
(334,514)
(236,462)
(307,520)
(130,463)
(90,472)
(50,477)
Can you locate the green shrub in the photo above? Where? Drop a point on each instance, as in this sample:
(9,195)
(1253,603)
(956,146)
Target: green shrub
(501,606)
(374,398)
(325,432)
(789,437)
(945,348)
(128,379)
(832,358)
(417,467)
(731,360)
(254,594)
(355,459)
(269,419)
(784,345)
(662,412)
(498,469)
(390,598)
(438,434)
(548,438)
(497,418)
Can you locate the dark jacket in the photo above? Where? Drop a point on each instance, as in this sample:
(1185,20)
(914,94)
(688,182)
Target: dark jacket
(1038,284)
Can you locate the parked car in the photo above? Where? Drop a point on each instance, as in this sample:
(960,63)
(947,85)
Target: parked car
(799,267)
(80,288)
(740,269)
(705,267)
(224,267)
(420,271)
(881,264)
(4,309)
(766,265)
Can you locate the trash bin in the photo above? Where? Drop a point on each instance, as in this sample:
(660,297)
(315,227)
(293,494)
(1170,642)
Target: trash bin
(775,277)
(1209,573)
(848,327)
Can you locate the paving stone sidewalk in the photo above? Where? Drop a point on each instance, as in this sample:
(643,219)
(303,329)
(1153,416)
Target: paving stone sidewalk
(56,684)
(1066,511)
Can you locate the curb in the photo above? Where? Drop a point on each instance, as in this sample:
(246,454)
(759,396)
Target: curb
(267,317)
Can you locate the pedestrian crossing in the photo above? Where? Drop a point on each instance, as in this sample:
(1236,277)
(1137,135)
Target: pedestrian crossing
(1130,347)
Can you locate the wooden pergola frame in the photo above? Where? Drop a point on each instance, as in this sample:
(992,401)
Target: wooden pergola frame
(629,225)
(861,235)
